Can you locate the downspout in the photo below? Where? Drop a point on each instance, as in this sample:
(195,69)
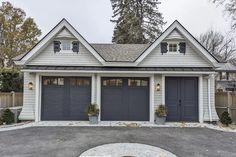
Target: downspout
(209,97)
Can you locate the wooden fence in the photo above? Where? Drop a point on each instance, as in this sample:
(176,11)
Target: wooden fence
(226,101)
(10,99)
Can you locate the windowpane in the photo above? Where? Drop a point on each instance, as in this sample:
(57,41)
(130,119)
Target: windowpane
(137,82)
(112,82)
(66,45)
(53,81)
(172,47)
(60,81)
(46,82)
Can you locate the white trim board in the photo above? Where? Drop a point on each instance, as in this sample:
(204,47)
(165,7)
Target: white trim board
(119,72)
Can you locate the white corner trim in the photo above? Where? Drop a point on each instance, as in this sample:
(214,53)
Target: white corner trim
(200,99)
(152,105)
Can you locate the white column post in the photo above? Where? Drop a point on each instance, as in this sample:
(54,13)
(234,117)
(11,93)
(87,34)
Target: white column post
(99,95)
(200,86)
(152,91)
(37,98)
(93,89)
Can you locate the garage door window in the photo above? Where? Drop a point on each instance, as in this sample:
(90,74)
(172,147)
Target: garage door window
(54,81)
(113,82)
(137,82)
(79,82)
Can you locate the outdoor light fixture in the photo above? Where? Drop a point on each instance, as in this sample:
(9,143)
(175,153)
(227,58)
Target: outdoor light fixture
(158,87)
(30,86)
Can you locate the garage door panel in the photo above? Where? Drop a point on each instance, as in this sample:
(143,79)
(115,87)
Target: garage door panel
(182,98)
(64,99)
(127,100)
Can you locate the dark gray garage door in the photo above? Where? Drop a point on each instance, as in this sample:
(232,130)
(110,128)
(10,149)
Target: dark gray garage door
(65,98)
(125,99)
(182,98)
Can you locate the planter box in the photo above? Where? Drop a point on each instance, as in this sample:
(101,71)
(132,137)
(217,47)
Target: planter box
(160,120)
(93,119)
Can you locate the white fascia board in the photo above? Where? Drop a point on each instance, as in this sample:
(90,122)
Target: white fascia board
(42,44)
(118,72)
(84,42)
(186,34)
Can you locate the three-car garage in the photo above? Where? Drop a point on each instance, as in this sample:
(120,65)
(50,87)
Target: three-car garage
(122,98)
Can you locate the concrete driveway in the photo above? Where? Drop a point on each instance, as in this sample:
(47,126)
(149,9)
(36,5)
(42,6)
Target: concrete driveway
(72,141)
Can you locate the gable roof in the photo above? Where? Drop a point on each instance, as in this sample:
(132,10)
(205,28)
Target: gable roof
(43,42)
(132,53)
(176,25)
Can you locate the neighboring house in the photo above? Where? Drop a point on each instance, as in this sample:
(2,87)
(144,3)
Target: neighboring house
(226,78)
(63,73)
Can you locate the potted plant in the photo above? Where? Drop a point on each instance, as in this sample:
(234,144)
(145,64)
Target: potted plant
(160,115)
(93,113)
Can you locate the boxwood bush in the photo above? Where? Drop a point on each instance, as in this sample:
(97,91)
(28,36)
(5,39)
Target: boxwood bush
(8,116)
(225,118)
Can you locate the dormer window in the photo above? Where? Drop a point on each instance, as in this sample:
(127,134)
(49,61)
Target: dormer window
(173,47)
(66,45)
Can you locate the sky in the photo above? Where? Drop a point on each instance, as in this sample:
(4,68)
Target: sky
(92,17)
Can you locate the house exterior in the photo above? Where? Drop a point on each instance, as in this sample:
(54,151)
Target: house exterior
(226,77)
(63,73)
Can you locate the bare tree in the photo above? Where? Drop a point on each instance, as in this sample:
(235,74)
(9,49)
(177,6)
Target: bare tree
(230,9)
(222,46)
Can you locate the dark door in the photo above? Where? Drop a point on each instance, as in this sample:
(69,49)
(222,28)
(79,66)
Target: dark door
(65,98)
(125,99)
(181,97)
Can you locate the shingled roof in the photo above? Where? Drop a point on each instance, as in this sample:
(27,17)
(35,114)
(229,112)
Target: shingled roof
(120,52)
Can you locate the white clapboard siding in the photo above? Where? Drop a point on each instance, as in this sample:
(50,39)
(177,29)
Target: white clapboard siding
(175,34)
(64,33)
(189,59)
(158,94)
(206,115)
(48,57)
(28,109)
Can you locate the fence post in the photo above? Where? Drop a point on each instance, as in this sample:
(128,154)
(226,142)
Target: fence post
(13,98)
(230,101)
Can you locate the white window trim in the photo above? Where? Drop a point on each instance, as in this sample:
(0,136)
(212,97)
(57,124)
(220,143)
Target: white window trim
(172,52)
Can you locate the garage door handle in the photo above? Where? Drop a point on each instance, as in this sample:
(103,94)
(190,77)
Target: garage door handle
(179,102)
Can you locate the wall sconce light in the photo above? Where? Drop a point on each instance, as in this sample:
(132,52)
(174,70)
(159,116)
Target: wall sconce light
(158,87)
(30,86)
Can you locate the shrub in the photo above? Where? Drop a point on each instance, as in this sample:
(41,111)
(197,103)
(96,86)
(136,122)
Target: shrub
(8,116)
(161,111)
(93,110)
(11,80)
(1,122)
(225,118)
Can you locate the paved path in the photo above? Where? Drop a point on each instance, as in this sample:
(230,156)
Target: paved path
(72,141)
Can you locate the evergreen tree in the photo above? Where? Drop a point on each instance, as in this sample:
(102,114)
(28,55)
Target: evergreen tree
(137,21)
(17,33)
